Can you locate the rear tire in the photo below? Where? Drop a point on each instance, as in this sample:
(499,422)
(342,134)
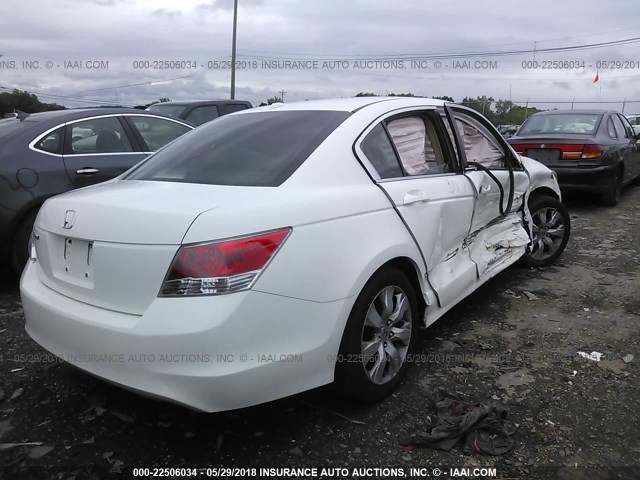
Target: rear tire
(380,335)
(20,248)
(551,230)
(611,197)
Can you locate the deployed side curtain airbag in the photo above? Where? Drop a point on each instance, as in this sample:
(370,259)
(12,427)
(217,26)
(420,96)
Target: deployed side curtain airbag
(409,136)
(478,147)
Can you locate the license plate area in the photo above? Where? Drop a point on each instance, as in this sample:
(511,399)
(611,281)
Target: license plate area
(76,263)
(544,155)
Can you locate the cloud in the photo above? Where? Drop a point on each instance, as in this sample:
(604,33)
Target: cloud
(165,33)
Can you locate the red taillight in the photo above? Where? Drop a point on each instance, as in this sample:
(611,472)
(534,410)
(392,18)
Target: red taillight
(567,151)
(221,267)
(592,151)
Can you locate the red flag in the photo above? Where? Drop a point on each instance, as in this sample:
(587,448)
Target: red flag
(596,78)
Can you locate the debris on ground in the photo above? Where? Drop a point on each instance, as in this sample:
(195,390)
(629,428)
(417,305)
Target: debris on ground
(483,426)
(593,356)
(123,417)
(39,452)
(296,452)
(530,295)
(627,358)
(17,393)
(116,465)
(13,455)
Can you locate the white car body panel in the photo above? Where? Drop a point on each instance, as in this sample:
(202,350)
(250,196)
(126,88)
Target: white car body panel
(345,226)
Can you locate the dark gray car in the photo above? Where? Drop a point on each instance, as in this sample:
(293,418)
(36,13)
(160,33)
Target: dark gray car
(591,150)
(50,153)
(199,112)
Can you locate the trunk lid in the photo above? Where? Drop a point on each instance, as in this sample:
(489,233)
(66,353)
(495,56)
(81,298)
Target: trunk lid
(552,149)
(121,237)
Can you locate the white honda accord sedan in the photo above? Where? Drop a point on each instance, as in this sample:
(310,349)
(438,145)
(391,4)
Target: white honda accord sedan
(284,248)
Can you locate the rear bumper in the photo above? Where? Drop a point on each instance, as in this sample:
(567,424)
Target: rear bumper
(209,353)
(590,179)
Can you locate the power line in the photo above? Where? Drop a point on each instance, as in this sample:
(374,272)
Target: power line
(151,82)
(446,56)
(524,42)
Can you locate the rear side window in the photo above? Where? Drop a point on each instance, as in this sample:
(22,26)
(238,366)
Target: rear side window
(418,146)
(378,149)
(253,149)
(52,142)
(98,135)
(157,132)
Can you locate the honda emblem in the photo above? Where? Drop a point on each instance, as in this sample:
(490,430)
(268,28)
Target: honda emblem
(69,219)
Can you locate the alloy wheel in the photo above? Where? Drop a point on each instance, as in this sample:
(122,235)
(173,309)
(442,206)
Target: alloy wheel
(548,233)
(386,334)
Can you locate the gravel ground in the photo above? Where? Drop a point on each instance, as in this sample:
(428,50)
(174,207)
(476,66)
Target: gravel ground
(575,417)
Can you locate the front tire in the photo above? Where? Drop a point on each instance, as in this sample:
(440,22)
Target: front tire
(379,337)
(551,229)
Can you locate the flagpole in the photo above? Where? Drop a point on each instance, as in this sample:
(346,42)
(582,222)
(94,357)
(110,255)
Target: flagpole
(599,90)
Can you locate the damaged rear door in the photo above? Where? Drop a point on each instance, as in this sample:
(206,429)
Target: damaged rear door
(418,173)
(497,237)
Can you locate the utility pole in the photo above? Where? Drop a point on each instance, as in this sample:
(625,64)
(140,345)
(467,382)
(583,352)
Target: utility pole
(282,92)
(233,50)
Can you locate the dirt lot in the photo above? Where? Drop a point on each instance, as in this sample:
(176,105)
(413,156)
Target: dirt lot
(573,414)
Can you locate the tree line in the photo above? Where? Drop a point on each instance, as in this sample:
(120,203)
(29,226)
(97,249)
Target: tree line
(499,112)
(24,101)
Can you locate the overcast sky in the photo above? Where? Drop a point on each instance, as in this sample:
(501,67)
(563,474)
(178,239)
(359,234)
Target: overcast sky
(127,33)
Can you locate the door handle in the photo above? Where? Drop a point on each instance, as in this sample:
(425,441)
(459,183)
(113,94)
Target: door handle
(485,188)
(414,196)
(87,171)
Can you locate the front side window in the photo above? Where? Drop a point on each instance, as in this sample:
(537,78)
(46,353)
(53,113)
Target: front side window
(157,132)
(174,111)
(253,149)
(52,142)
(201,115)
(233,107)
(617,123)
(479,147)
(378,149)
(627,126)
(98,135)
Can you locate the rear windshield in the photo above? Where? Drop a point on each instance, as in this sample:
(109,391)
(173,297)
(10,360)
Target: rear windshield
(581,123)
(173,111)
(252,149)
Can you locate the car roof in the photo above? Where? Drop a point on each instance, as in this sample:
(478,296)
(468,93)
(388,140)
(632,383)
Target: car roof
(200,102)
(75,113)
(575,112)
(351,104)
